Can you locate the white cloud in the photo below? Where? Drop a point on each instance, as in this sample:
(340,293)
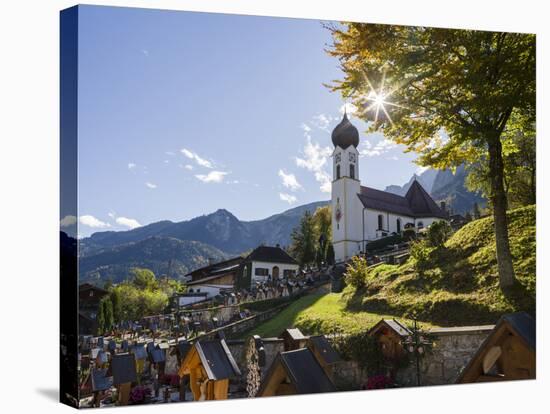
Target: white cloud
(127,222)
(91,221)
(150,185)
(67,221)
(305,127)
(170,153)
(188,167)
(290,181)
(131,165)
(289,198)
(380,148)
(385,145)
(111,214)
(315,159)
(322,121)
(199,160)
(314,156)
(324,178)
(212,177)
(348,108)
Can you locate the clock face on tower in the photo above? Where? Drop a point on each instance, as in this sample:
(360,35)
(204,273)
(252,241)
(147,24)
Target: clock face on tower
(352,157)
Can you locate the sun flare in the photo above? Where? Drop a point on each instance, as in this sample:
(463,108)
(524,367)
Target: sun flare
(379,99)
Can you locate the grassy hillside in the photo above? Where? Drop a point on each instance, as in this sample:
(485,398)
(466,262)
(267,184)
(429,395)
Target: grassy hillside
(460,286)
(319,313)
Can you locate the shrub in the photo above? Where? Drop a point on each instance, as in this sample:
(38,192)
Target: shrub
(356,272)
(438,233)
(420,255)
(409,234)
(363,348)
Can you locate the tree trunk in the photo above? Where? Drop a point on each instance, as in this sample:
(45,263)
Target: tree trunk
(533,186)
(498,198)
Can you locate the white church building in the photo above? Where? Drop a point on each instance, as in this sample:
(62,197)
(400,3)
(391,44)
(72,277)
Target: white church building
(362,214)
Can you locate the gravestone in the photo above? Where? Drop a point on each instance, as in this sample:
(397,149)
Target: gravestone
(100,380)
(123,367)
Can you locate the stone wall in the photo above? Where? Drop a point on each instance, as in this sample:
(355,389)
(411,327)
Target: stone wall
(452,350)
(224,314)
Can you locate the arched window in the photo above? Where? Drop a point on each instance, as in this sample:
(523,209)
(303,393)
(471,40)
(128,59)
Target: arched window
(398,225)
(351,171)
(338,172)
(380,222)
(275,272)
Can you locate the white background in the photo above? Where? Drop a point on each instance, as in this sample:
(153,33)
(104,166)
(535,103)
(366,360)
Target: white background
(29,156)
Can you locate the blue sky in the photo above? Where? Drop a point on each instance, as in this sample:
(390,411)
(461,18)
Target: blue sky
(184,113)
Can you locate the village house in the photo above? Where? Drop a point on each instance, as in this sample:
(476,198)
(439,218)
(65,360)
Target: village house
(263,264)
(362,214)
(89,297)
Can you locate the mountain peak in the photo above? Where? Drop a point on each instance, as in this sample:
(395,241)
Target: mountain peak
(223,213)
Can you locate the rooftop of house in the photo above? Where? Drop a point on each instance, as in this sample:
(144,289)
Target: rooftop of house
(270,254)
(417,203)
(216,268)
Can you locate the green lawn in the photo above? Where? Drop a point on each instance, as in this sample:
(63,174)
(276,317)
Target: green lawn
(319,313)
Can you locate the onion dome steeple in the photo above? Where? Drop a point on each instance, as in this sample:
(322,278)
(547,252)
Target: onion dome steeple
(345,134)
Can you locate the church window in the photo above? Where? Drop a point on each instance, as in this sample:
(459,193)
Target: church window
(352,171)
(338,172)
(380,222)
(398,225)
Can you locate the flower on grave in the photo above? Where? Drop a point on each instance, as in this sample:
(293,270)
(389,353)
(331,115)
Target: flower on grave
(377,382)
(139,394)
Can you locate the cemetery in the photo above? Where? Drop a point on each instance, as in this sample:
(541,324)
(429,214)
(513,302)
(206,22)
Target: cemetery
(153,362)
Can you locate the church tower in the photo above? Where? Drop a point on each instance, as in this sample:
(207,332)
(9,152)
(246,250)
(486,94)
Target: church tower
(346,206)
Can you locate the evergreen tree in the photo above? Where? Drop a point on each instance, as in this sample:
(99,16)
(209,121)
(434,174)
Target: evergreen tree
(330,254)
(101,319)
(476,213)
(117,306)
(303,246)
